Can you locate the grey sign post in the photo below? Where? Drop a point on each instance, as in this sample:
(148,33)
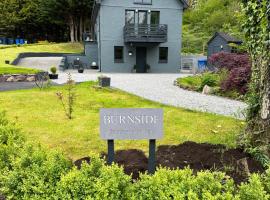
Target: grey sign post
(132,124)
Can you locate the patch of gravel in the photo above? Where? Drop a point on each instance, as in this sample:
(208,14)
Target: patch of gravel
(160,88)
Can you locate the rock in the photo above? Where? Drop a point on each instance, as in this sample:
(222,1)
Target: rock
(31,78)
(10,79)
(19,78)
(3,79)
(242,167)
(207,90)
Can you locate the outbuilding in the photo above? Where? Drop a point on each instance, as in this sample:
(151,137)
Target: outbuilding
(221,42)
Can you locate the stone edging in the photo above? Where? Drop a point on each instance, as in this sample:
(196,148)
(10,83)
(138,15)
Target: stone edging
(18,78)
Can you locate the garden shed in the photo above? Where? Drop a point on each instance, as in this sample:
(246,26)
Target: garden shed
(221,42)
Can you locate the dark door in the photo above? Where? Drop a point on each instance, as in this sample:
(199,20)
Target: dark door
(141,59)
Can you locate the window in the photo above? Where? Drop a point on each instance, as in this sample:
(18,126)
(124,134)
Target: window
(142,17)
(118,54)
(130,17)
(155,17)
(163,54)
(143,2)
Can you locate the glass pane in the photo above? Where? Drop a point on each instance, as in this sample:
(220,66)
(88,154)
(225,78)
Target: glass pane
(163,54)
(142,17)
(130,17)
(118,53)
(154,17)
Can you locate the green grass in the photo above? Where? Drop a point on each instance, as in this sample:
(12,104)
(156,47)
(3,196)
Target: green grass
(42,119)
(10,53)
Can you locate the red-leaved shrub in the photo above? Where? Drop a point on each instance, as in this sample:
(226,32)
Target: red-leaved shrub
(239,67)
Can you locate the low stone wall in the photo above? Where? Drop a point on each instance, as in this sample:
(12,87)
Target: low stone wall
(18,78)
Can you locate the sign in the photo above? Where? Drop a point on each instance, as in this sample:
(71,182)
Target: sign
(131,124)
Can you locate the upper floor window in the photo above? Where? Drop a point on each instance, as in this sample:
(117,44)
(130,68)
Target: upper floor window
(130,16)
(143,1)
(155,17)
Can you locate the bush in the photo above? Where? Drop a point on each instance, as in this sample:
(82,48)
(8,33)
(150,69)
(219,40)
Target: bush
(239,69)
(53,70)
(209,79)
(36,173)
(94,181)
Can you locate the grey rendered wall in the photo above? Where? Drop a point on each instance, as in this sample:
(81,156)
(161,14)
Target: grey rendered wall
(91,51)
(214,46)
(112,21)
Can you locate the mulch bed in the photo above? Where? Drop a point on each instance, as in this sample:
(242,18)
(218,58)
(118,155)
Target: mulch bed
(234,162)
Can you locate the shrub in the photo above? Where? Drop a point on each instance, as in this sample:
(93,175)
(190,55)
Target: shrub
(209,79)
(53,70)
(239,69)
(33,174)
(94,181)
(11,141)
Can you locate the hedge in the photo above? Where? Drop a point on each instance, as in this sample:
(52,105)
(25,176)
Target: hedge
(32,172)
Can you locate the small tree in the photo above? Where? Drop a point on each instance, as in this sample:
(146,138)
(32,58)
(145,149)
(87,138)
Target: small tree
(68,103)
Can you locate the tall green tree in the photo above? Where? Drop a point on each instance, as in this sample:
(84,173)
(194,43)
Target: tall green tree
(206,18)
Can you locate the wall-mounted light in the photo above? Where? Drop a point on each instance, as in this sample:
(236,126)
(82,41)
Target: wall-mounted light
(78,59)
(149,11)
(136,10)
(130,53)
(221,47)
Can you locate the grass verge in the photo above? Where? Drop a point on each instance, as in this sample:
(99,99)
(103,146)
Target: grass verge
(42,119)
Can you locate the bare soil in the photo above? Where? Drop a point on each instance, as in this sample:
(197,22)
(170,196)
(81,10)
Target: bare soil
(234,162)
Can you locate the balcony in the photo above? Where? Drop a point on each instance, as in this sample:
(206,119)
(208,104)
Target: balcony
(145,33)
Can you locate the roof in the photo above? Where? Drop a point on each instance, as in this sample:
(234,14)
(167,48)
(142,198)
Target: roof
(228,38)
(185,3)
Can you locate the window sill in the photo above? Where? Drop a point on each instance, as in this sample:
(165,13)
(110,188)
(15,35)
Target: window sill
(163,61)
(118,61)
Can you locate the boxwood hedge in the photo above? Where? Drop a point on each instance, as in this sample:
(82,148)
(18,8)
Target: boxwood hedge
(32,172)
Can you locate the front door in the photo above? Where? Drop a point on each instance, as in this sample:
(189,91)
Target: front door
(141,60)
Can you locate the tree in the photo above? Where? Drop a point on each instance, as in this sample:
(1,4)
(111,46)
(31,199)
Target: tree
(257,31)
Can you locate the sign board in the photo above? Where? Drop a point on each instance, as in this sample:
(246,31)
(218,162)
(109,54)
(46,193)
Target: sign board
(131,124)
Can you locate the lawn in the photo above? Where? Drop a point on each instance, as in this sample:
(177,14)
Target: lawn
(12,52)
(41,117)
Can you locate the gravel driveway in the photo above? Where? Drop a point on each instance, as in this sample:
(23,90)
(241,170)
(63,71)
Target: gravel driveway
(160,88)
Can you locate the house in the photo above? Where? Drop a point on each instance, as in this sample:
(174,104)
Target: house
(136,35)
(221,42)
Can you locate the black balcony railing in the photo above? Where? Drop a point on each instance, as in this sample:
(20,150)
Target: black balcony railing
(156,33)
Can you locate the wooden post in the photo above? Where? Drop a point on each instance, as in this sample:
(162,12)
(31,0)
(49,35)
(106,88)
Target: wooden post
(110,152)
(152,157)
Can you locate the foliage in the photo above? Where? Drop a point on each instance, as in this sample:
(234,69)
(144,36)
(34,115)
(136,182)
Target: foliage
(256,29)
(206,18)
(239,68)
(45,19)
(53,70)
(42,119)
(36,173)
(198,82)
(69,105)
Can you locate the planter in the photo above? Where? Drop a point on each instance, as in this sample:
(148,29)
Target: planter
(104,81)
(80,71)
(53,76)
(7,62)
(94,67)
